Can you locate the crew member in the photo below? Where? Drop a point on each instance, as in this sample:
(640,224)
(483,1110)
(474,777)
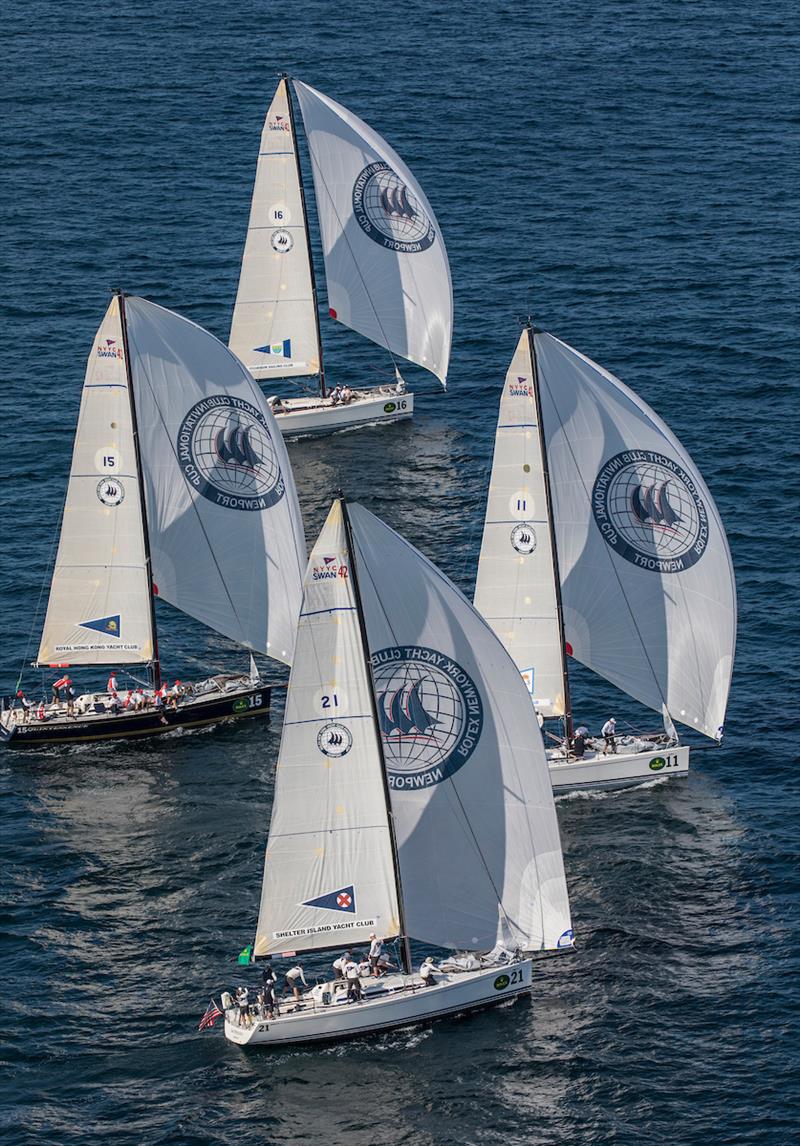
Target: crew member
(353,977)
(375,952)
(25,705)
(294,976)
(62,682)
(112,683)
(426,972)
(339,965)
(608,732)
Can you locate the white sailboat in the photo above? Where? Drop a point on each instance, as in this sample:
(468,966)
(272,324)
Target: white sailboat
(602,542)
(412,796)
(386,267)
(180,486)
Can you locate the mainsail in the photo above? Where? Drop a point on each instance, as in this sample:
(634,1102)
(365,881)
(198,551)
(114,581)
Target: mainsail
(516,583)
(386,266)
(479,850)
(647,579)
(226,536)
(275,323)
(329,875)
(99,609)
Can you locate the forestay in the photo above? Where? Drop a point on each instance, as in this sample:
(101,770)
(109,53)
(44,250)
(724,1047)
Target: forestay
(516,583)
(226,536)
(99,608)
(647,580)
(385,261)
(274,329)
(480,856)
(329,872)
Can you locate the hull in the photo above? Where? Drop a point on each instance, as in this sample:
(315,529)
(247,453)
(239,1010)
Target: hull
(596,771)
(397,1001)
(193,713)
(320,416)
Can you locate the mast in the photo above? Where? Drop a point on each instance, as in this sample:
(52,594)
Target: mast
(155,663)
(568,725)
(285,80)
(406,946)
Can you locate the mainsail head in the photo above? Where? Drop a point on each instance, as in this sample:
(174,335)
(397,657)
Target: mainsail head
(275,325)
(479,849)
(99,611)
(647,579)
(386,266)
(226,535)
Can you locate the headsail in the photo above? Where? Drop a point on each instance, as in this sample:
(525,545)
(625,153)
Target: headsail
(647,579)
(275,325)
(480,856)
(99,610)
(515,589)
(385,262)
(329,871)
(226,535)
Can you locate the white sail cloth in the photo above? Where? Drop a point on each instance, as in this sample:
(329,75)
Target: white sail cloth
(329,872)
(386,266)
(226,536)
(516,584)
(99,608)
(480,855)
(274,329)
(647,580)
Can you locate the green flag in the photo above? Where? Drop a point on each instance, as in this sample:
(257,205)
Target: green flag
(244,956)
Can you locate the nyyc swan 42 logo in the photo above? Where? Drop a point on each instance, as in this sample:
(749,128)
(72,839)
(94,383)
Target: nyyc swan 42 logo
(520,387)
(430,715)
(226,454)
(329,570)
(389,211)
(649,511)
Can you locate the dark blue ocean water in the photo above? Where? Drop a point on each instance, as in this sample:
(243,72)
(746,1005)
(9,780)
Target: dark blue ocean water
(627,173)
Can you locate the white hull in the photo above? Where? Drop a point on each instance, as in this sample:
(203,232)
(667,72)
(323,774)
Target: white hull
(320,416)
(619,770)
(395,1001)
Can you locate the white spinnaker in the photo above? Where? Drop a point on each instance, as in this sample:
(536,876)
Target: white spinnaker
(385,261)
(226,536)
(472,801)
(329,835)
(653,609)
(99,610)
(515,589)
(274,329)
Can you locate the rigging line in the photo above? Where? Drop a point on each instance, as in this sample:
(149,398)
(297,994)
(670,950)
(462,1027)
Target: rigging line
(450,779)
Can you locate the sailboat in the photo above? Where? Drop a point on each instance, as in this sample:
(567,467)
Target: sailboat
(386,267)
(430,816)
(180,487)
(602,542)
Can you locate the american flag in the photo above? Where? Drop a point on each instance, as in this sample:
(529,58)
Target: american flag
(212,1012)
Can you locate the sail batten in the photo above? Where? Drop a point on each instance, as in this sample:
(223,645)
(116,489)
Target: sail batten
(99,610)
(387,273)
(275,326)
(225,530)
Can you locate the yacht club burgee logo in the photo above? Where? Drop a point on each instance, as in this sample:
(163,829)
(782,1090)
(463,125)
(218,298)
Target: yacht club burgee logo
(430,715)
(389,212)
(226,454)
(649,511)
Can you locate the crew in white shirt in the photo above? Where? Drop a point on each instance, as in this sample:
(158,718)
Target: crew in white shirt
(293,978)
(608,733)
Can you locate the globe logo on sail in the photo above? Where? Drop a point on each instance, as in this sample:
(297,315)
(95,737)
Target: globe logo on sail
(649,511)
(389,212)
(226,453)
(430,715)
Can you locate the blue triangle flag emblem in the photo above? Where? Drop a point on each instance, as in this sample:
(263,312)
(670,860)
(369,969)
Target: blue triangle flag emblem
(107,625)
(342,900)
(279,349)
